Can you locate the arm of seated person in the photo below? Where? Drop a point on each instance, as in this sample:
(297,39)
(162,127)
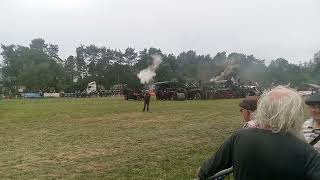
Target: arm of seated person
(221,160)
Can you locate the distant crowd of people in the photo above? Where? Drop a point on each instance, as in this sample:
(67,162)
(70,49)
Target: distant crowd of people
(276,143)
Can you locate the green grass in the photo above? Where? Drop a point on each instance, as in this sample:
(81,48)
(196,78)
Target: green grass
(110,138)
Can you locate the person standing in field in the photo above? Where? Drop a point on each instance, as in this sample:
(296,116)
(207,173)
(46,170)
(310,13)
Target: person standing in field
(146,100)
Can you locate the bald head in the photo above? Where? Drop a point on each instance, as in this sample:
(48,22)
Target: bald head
(280,92)
(280,109)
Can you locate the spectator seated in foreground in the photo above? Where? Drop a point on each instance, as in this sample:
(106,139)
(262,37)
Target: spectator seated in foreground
(272,151)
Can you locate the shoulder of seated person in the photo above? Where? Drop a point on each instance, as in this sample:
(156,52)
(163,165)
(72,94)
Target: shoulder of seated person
(246,131)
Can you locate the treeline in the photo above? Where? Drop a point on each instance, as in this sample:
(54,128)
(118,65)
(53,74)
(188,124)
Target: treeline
(38,67)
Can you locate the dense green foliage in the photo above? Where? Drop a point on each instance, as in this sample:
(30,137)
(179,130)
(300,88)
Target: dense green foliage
(38,67)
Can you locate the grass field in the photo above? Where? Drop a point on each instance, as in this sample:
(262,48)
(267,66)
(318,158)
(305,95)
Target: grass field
(110,138)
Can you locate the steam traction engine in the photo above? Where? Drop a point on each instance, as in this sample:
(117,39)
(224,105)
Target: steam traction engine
(169,90)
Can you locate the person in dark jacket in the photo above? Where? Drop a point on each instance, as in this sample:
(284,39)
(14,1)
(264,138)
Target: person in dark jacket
(272,151)
(146,99)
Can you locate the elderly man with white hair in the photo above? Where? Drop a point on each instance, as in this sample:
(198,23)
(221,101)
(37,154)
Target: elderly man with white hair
(271,151)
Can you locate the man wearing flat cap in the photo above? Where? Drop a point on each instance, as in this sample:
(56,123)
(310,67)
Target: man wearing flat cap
(247,107)
(311,128)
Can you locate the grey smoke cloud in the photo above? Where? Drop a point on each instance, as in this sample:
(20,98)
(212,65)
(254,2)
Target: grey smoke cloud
(269,29)
(231,68)
(146,75)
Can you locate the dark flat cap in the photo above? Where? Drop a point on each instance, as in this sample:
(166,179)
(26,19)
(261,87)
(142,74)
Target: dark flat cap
(313,99)
(249,103)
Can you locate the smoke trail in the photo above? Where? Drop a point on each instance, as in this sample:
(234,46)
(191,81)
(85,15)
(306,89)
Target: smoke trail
(230,70)
(147,74)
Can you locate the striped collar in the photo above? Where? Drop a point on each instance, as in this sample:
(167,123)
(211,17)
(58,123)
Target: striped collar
(309,124)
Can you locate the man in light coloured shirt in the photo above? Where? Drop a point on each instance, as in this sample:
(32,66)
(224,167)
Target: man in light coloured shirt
(311,127)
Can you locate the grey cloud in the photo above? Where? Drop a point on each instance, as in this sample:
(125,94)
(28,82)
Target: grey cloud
(268,28)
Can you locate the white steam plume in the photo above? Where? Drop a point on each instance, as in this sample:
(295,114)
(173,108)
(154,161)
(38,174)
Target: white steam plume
(147,74)
(231,68)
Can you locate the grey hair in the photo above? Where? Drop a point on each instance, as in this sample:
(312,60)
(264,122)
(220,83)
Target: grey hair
(280,109)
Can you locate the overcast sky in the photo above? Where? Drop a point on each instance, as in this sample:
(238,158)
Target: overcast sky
(267,29)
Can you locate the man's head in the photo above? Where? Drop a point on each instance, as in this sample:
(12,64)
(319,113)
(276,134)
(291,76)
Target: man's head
(247,107)
(314,106)
(281,110)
